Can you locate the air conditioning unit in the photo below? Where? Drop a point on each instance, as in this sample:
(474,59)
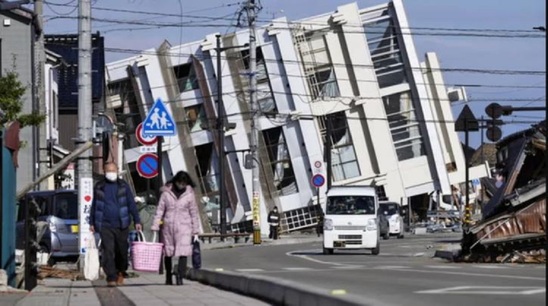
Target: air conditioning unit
(457,94)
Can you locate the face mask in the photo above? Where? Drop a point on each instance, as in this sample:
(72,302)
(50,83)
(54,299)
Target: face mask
(111,176)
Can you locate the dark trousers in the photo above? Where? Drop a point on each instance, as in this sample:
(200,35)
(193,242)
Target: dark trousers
(181,269)
(273,232)
(114,245)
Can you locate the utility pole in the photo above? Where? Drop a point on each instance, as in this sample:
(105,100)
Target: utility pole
(40,106)
(85,179)
(251,8)
(221,134)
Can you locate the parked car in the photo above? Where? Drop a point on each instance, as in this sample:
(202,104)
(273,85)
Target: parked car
(392,212)
(59,208)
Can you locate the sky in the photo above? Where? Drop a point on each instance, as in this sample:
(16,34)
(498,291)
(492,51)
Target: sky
(516,65)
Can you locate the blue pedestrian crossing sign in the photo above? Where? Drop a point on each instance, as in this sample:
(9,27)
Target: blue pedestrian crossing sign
(158,121)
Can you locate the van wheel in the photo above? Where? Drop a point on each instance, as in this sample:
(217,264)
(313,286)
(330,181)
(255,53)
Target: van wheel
(376,250)
(327,251)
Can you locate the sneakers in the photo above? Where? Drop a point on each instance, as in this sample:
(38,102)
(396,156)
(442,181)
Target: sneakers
(120,279)
(111,284)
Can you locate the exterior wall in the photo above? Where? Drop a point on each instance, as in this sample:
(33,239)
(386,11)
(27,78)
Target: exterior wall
(298,112)
(17,42)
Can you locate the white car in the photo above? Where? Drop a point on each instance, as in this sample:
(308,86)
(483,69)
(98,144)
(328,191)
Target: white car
(392,212)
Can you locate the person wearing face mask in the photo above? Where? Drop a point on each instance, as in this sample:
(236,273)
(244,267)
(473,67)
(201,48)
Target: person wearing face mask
(112,209)
(178,210)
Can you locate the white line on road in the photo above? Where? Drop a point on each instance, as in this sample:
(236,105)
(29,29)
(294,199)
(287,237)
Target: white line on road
(484,290)
(249,270)
(493,266)
(390,267)
(442,267)
(475,274)
(306,257)
(348,267)
(297,269)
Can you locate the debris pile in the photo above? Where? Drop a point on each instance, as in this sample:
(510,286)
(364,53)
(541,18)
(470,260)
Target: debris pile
(513,227)
(53,272)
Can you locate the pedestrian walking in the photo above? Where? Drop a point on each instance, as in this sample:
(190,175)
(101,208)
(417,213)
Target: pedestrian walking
(178,210)
(112,209)
(274,221)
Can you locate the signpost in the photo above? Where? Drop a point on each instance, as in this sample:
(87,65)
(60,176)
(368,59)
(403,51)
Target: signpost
(86,197)
(466,122)
(143,139)
(157,124)
(147,165)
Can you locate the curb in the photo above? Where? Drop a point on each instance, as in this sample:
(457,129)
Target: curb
(278,292)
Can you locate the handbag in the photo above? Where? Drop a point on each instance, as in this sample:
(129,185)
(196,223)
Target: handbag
(196,255)
(91,259)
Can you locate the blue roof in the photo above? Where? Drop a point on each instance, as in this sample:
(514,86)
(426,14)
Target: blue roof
(67,47)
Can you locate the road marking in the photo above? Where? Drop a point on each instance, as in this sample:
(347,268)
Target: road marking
(474,274)
(348,267)
(441,267)
(390,267)
(297,269)
(306,257)
(249,270)
(484,290)
(493,266)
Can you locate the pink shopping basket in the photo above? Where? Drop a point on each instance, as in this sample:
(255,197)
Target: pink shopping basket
(146,256)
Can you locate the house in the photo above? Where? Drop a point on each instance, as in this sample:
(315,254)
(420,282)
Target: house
(354,69)
(514,216)
(19,30)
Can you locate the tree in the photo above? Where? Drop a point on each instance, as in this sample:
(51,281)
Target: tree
(11,104)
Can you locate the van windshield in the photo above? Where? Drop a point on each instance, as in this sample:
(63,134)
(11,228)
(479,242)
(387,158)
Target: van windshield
(66,206)
(350,205)
(389,208)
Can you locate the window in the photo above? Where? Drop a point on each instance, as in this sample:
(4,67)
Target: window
(318,66)
(350,205)
(265,99)
(280,162)
(66,206)
(196,117)
(186,77)
(404,126)
(209,180)
(385,52)
(344,164)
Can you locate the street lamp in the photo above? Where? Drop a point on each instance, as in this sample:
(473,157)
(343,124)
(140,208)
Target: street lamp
(221,131)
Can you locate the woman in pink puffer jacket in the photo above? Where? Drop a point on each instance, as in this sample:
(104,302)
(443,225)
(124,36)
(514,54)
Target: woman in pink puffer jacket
(178,210)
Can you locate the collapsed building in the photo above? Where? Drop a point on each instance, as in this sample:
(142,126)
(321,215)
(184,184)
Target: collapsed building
(513,225)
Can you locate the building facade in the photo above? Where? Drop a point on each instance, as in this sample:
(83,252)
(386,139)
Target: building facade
(349,79)
(18,33)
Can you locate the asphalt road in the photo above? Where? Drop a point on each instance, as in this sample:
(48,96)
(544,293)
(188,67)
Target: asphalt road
(404,273)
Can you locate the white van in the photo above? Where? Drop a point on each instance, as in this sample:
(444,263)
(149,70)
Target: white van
(351,219)
(392,212)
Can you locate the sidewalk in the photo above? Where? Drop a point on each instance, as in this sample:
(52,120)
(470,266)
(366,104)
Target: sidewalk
(147,289)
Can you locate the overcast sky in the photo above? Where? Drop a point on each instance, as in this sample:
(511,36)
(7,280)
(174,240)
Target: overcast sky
(511,18)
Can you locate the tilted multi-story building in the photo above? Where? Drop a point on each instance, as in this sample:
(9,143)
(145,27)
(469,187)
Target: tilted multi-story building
(390,115)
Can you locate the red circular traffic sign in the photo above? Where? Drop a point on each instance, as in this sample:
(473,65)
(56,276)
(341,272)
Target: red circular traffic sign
(318,180)
(142,139)
(147,165)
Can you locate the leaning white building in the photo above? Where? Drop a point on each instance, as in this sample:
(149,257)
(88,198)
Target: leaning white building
(390,115)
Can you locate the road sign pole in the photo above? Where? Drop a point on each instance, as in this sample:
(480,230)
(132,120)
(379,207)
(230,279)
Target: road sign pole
(466,176)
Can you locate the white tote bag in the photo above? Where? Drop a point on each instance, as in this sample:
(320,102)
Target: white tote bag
(91,259)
